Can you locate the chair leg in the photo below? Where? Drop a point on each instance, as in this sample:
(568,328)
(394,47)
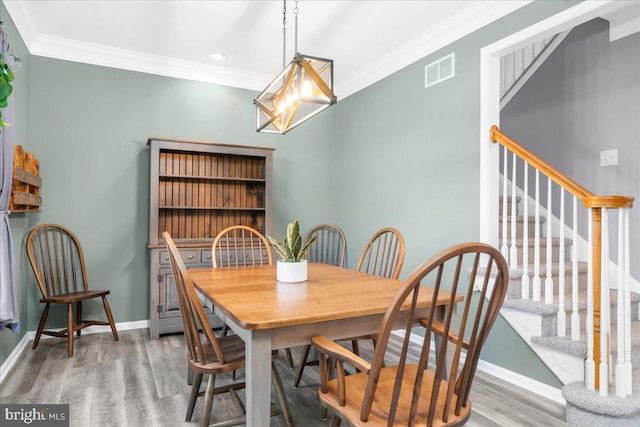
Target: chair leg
(195,391)
(208,401)
(70,328)
(43,319)
(289,357)
(78,316)
(335,421)
(356,347)
(302,364)
(107,310)
(282,396)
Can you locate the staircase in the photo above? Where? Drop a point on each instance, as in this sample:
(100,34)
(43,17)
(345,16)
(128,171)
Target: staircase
(548,298)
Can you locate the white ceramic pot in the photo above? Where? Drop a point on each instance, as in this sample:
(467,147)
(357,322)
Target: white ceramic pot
(292,272)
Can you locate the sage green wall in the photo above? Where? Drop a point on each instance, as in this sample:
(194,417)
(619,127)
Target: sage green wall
(409,157)
(89,128)
(19,222)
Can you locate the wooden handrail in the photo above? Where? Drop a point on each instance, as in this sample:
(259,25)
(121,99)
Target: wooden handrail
(610,202)
(558,177)
(588,199)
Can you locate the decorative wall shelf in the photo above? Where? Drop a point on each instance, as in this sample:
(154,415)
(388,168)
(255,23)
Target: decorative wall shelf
(25,191)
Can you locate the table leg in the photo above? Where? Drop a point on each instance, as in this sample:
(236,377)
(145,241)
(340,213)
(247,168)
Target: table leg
(258,377)
(451,348)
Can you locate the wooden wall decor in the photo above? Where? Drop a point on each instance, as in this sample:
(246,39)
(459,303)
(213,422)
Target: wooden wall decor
(25,191)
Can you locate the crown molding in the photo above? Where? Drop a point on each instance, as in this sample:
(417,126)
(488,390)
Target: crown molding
(24,21)
(477,15)
(89,53)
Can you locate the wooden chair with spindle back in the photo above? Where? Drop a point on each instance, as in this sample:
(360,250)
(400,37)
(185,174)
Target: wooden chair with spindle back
(417,392)
(383,256)
(57,261)
(208,354)
(242,246)
(330,248)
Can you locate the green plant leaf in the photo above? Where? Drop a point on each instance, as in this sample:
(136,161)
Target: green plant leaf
(306,248)
(9,77)
(4,88)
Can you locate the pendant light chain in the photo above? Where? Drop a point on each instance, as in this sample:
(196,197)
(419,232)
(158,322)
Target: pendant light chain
(284,34)
(295,11)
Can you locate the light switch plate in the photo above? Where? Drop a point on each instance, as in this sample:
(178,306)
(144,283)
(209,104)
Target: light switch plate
(609,158)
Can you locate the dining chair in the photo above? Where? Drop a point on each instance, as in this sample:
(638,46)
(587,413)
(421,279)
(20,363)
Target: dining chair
(242,246)
(383,255)
(330,248)
(57,261)
(208,354)
(418,391)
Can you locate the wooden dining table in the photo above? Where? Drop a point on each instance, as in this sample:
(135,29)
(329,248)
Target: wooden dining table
(267,314)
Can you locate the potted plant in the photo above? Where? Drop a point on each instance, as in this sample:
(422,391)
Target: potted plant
(6,77)
(292,268)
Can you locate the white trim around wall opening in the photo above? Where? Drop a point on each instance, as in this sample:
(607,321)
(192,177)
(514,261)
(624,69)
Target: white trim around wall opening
(490,98)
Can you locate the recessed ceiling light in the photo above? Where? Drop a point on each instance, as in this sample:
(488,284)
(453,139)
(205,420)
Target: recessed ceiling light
(217,56)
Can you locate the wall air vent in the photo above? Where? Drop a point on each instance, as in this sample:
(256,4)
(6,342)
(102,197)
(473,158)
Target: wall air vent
(440,70)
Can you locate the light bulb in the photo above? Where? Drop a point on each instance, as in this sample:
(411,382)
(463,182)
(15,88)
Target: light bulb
(307,89)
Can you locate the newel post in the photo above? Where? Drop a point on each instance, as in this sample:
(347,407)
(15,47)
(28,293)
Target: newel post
(596,269)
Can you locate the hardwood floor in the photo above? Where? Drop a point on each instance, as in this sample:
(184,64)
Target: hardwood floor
(137,382)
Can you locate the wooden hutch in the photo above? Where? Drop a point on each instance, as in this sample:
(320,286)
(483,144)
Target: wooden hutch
(197,189)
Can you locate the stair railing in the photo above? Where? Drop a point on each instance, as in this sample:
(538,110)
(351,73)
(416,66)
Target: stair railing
(598,372)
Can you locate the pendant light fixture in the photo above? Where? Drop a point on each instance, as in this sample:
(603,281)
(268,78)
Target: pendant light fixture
(301,90)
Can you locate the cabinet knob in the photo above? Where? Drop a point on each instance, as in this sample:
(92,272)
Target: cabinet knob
(208,256)
(190,256)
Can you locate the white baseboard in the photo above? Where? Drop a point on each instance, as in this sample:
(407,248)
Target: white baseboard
(13,356)
(526,383)
(30,335)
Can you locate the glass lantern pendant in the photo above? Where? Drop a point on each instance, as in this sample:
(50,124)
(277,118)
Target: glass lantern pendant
(303,89)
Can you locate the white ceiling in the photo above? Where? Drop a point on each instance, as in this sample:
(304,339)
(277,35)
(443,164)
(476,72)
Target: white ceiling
(367,40)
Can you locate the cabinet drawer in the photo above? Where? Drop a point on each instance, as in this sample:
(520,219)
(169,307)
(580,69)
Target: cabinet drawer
(205,258)
(189,257)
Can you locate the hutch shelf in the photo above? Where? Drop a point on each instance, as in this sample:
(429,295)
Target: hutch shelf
(197,189)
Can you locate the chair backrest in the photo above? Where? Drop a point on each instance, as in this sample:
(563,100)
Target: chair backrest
(483,292)
(193,316)
(330,246)
(56,258)
(383,255)
(240,246)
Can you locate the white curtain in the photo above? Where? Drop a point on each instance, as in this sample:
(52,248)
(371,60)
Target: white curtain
(9,309)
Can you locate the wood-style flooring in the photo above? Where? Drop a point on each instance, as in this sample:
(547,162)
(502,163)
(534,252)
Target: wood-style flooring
(137,382)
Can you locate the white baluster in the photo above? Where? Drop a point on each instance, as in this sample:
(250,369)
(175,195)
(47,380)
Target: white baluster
(536,238)
(525,235)
(562,315)
(575,315)
(605,307)
(590,364)
(548,281)
(621,381)
(513,251)
(505,174)
(627,303)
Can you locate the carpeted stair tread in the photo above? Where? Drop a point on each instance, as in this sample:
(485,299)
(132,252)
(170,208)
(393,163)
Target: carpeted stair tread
(576,394)
(540,307)
(579,348)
